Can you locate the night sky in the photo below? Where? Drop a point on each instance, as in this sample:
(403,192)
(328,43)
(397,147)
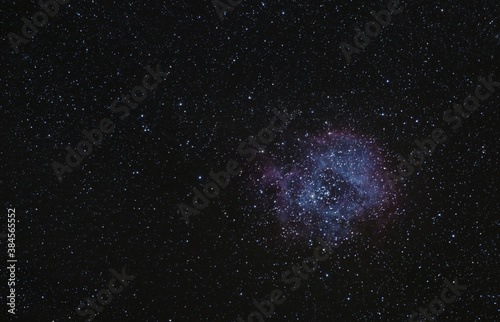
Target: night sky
(329,170)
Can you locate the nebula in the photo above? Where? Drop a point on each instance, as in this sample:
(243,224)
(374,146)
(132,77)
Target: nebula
(327,185)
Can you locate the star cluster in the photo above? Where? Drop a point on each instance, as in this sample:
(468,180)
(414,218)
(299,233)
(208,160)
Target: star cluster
(336,179)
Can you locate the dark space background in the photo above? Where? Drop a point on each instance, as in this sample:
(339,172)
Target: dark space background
(119,207)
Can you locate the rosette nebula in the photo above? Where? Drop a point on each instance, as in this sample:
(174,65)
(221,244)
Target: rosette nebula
(329,185)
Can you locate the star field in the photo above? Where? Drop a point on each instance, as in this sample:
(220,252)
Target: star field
(326,174)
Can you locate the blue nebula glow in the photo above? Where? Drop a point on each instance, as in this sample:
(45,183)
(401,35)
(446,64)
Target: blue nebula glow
(333,180)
